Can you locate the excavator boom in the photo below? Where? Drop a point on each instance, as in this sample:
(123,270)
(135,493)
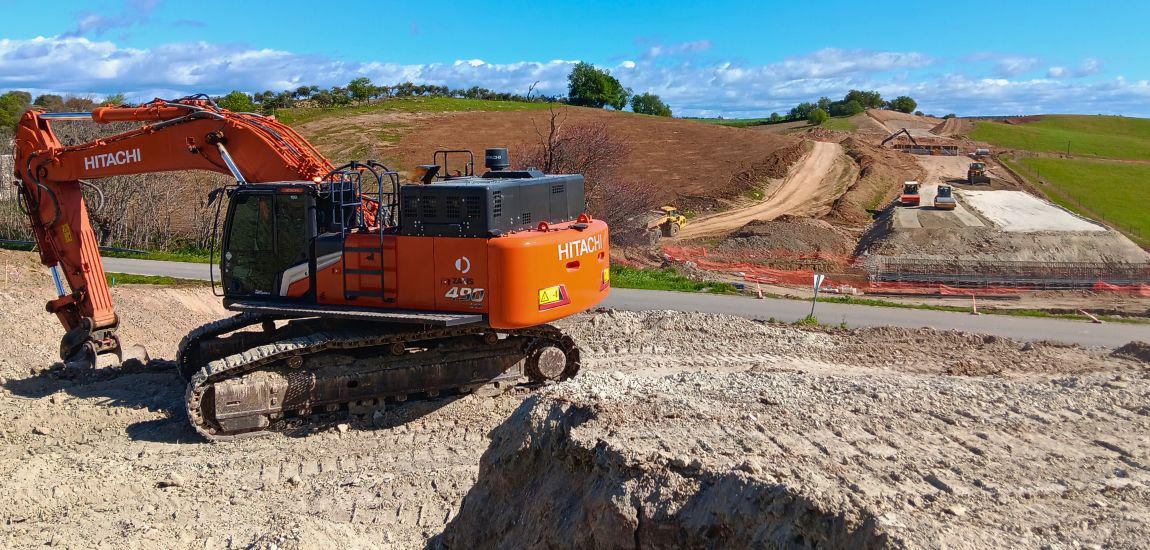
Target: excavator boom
(187,134)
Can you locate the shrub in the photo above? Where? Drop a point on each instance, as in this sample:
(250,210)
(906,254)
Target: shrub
(817,117)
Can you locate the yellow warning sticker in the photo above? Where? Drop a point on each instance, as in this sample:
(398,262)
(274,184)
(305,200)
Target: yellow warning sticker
(66,232)
(550,295)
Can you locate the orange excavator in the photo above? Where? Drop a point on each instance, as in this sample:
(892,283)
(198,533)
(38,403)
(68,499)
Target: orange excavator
(351,289)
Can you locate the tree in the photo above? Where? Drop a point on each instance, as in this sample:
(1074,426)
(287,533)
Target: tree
(903,104)
(361,89)
(589,86)
(238,101)
(114,100)
(868,99)
(949,115)
(775,118)
(846,108)
(824,103)
(802,111)
(50,102)
(817,117)
(12,107)
(649,104)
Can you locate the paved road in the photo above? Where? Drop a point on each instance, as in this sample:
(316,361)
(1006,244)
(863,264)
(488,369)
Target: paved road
(1018,328)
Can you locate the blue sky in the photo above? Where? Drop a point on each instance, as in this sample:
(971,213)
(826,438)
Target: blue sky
(703,58)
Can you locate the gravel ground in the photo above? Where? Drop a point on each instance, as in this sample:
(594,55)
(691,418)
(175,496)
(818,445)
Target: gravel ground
(107,460)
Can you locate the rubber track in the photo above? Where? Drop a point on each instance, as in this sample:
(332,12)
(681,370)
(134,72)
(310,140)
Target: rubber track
(215,328)
(252,359)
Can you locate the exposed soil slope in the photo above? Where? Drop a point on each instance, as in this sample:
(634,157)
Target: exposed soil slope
(686,158)
(806,191)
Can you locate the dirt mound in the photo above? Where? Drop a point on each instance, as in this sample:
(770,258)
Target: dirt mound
(1023,119)
(117,445)
(881,173)
(790,233)
(1134,350)
(894,120)
(781,456)
(952,127)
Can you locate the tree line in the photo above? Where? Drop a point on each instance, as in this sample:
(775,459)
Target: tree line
(853,103)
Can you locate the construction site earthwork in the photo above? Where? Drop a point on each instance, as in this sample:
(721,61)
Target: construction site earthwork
(452,346)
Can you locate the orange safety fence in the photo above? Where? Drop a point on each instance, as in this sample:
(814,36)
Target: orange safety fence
(757,273)
(1136,290)
(697,253)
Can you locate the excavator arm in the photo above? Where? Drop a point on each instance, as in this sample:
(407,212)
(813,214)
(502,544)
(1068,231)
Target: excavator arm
(186,134)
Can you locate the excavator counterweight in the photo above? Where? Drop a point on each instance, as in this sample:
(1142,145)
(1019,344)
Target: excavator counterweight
(351,288)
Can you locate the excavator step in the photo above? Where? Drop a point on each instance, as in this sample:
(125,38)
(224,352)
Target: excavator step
(364,314)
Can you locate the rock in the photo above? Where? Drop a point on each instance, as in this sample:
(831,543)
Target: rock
(342,428)
(42,430)
(294,480)
(956,510)
(173,480)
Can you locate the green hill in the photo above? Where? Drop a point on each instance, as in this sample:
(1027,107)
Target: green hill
(1095,136)
(1111,190)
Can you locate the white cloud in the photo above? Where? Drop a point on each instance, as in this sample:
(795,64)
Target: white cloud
(135,12)
(81,65)
(664,50)
(1089,66)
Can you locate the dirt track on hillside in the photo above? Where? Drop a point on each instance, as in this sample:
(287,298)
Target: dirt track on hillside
(807,190)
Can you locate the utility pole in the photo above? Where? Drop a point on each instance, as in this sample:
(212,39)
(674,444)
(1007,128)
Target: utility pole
(1067,148)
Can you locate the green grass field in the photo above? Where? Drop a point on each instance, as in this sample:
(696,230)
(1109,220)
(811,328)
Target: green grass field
(842,124)
(1097,136)
(405,104)
(1114,191)
(734,122)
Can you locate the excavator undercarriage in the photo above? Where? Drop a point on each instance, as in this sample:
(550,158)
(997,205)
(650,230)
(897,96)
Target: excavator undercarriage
(251,382)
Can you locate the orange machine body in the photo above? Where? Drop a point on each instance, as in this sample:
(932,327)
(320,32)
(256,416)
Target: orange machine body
(517,280)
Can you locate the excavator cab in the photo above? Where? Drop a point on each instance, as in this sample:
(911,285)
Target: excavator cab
(267,234)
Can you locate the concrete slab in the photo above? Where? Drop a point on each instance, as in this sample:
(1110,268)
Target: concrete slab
(906,217)
(1020,212)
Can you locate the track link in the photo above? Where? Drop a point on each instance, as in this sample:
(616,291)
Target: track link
(283,374)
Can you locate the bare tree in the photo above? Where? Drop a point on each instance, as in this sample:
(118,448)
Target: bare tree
(593,151)
(163,211)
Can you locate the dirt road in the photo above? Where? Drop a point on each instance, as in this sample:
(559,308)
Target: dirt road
(809,188)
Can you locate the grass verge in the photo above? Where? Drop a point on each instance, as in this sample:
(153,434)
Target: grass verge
(664,279)
(187,255)
(116,279)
